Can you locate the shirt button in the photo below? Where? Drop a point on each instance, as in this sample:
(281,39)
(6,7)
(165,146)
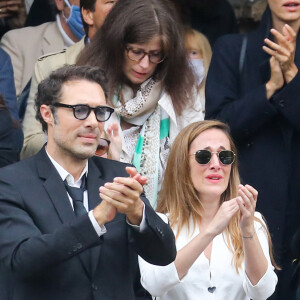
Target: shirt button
(94,287)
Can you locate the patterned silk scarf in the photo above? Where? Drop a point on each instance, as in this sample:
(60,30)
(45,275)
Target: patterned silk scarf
(152,148)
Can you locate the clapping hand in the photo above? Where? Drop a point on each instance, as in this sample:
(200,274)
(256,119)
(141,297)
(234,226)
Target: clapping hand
(122,195)
(247,203)
(116,142)
(223,216)
(283,50)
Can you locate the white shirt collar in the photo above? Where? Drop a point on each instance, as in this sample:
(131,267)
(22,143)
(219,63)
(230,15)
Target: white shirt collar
(65,175)
(67,41)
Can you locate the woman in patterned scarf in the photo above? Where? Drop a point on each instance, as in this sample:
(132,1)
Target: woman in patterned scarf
(141,49)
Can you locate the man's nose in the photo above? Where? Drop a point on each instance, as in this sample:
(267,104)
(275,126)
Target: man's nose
(91,120)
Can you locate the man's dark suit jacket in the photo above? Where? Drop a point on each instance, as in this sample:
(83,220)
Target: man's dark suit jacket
(41,239)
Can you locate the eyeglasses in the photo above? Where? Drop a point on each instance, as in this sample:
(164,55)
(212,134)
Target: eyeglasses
(203,157)
(103,147)
(137,54)
(82,111)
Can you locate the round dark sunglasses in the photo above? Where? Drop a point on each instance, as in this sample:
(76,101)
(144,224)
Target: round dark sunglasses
(82,111)
(203,157)
(103,147)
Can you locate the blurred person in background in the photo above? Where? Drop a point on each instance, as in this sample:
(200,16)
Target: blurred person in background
(93,14)
(199,54)
(12,15)
(253,84)
(26,45)
(212,18)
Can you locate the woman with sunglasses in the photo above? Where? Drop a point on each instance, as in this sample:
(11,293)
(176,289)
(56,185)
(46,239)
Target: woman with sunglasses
(150,84)
(224,250)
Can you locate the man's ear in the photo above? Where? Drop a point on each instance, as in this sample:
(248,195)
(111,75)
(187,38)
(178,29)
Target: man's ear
(47,114)
(87,16)
(60,4)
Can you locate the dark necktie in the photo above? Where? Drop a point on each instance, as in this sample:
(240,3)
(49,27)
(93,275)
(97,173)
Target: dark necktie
(77,196)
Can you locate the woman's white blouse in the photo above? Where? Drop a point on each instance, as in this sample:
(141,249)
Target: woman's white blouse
(215,280)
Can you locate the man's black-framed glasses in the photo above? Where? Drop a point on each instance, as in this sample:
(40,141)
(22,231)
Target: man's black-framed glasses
(82,111)
(137,54)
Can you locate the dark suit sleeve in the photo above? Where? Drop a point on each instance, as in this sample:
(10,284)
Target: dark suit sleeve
(287,102)
(155,244)
(7,84)
(246,114)
(25,250)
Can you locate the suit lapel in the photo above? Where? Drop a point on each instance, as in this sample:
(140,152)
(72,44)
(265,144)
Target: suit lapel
(52,39)
(94,181)
(57,193)
(54,187)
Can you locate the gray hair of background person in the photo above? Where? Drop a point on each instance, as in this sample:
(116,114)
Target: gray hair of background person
(50,89)
(138,21)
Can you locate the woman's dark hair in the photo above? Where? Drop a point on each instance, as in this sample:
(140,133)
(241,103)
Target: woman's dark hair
(88,5)
(138,21)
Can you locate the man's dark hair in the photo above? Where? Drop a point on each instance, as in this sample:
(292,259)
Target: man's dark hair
(49,90)
(53,7)
(88,5)
(138,21)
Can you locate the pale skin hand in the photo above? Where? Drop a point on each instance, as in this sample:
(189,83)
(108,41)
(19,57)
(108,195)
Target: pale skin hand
(277,80)
(283,50)
(122,195)
(187,255)
(10,6)
(255,261)
(247,204)
(115,141)
(15,10)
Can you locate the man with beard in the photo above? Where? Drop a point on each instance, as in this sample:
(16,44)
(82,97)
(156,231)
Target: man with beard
(72,224)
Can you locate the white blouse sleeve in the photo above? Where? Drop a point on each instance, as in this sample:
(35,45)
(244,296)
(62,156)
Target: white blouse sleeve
(158,280)
(266,285)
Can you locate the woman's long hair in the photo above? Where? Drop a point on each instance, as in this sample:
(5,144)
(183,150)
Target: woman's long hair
(181,201)
(138,21)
